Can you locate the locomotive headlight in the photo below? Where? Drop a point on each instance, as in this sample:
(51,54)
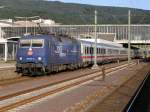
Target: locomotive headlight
(20,58)
(39,58)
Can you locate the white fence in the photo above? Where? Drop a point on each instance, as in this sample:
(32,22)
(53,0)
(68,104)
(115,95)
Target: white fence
(138,32)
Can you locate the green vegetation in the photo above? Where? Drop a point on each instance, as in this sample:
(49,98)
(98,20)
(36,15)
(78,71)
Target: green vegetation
(68,13)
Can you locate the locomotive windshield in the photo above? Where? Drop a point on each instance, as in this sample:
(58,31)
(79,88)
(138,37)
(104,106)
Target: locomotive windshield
(37,42)
(26,43)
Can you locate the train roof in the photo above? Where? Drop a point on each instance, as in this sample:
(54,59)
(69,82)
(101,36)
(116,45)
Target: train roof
(34,36)
(103,42)
(54,38)
(47,36)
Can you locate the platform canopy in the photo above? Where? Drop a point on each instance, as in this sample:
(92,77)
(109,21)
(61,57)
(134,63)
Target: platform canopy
(8,49)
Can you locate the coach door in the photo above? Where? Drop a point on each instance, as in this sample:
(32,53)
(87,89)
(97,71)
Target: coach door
(91,53)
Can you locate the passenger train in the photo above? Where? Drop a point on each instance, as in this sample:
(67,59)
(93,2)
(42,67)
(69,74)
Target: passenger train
(42,54)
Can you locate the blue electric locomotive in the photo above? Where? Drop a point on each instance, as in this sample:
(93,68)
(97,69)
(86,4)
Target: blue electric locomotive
(42,54)
(47,53)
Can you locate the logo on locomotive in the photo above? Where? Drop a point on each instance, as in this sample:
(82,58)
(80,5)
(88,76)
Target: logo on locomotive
(59,51)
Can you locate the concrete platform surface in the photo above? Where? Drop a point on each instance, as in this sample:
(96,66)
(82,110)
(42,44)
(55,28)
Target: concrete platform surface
(9,64)
(7,70)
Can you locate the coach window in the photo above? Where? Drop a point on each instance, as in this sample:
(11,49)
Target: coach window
(88,50)
(91,50)
(109,52)
(84,49)
(113,51)
(100,51)
(123,52)
(117,52)
(103,51)
(97,50)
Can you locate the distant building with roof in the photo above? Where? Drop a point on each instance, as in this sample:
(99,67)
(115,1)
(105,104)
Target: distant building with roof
(11,30)
(33,23)
(45,22)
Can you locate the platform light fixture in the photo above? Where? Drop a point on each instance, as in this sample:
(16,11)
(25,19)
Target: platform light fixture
(95,66)
(129,37)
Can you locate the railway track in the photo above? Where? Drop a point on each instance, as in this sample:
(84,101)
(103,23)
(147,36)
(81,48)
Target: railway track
(14,80)
(26,78)
(49,84)
(17,99)
(141,99)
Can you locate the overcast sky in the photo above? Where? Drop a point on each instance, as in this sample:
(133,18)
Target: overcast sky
(141,4)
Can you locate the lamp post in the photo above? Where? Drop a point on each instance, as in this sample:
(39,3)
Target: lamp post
(95,66)
(129,36)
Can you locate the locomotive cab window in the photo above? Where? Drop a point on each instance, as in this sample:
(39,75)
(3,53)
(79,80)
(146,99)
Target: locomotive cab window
(37,42)
(25,43)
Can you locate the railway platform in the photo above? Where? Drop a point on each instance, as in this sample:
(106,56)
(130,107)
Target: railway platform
(85,96)
(6,65)
(117,101)
(140,101)
(7,70)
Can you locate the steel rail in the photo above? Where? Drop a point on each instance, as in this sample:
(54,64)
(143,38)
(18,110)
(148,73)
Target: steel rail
(28,100)
(50,84)
(21,79)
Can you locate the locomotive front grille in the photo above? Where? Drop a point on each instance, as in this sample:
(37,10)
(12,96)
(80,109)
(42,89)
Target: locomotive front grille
(29,65)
